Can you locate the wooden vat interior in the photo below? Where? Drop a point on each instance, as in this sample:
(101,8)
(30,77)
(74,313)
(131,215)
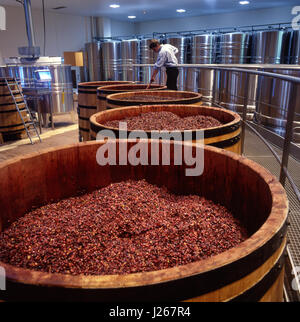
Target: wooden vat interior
(181,110)
(130,96)
(43,178)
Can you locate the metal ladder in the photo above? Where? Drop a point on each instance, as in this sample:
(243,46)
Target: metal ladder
(19,93)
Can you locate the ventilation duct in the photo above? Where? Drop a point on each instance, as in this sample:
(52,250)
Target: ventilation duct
(31,50)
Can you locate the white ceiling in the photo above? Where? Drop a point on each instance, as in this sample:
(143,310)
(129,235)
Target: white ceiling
(147,10)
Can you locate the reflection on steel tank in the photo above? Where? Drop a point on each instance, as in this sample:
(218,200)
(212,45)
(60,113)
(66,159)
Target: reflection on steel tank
(130,54)
(274,99)
(92,61)
(204,49)
(56,94)
(269,47)
(234,48)
(110,57)
(294,55)
(230,89)
(183,57)
(183,46)
(149,57)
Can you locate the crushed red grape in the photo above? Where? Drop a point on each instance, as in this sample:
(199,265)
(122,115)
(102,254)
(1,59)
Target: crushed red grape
(126,227)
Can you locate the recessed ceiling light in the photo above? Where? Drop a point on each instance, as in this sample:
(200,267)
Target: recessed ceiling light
(131,17)
(244,2)
(180,10)
(114,6)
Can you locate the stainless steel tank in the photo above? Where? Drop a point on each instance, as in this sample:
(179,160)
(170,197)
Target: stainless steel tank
(294,54)
(230,88)
(110,57)
(204,49)
(274,99)
(183,57)
(92,61)
(183,46)
(56,94)
(268,47)
(203,52)
(148,56)
(130,54)
(234,48)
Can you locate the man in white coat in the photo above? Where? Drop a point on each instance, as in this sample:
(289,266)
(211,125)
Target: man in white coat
(166,58)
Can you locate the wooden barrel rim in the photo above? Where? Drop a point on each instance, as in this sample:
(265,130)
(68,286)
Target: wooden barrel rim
(7,95)
(208,133)
(12,103)
(89,107)
(257,246)
(14,125)
(95,85)
(112,89)
(114,98)
(13,111)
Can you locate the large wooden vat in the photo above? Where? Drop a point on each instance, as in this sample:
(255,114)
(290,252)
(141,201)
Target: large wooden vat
(104,91)
(165,97)
(251,271)
(87,103)
(10,120)
(226,136)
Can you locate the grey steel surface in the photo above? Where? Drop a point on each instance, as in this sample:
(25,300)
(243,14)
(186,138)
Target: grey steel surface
(130,54)
(268,47)
(234,48)
(204,49)
(58,92)
(92,61)
(203,52)
(183,46)
(183,57)
(230,88)
(275,98)
(294,56)
(110,60)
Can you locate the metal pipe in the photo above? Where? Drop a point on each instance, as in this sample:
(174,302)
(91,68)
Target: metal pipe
(244,114)
(288,134)
(234,69)
(29,24)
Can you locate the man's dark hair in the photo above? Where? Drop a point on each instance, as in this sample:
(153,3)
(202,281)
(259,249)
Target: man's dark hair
(154,43)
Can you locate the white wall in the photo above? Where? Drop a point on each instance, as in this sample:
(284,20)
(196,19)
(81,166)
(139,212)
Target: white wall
(63,32)
(245,18)
(120,28)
